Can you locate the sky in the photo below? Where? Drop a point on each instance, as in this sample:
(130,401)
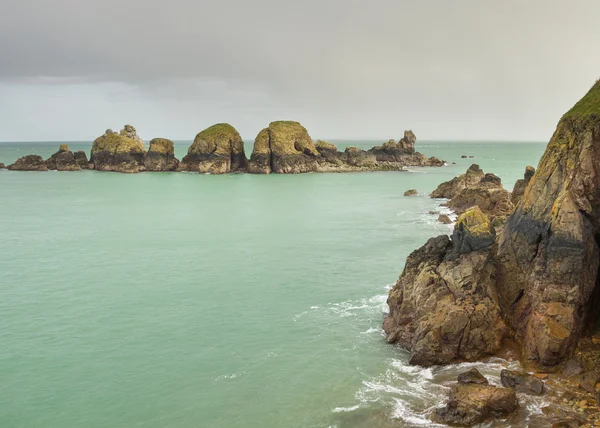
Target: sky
(345,69)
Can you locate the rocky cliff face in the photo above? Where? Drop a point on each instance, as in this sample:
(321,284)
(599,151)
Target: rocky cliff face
(521,185)
(119,152)
(216,150)
(161,156)
(538,275)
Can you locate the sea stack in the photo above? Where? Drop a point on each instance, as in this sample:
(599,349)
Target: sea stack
(285,148)
(119,152)
(161,156)
(63,160)
(29,163)
(216,150)
(402,153)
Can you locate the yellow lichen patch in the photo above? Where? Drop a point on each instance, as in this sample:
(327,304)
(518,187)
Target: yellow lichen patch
(474,221)
(287,137)
(161,145)
(115,143)
(63,148)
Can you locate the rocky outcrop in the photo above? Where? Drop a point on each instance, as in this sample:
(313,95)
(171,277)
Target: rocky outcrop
(471,404)
(548,256)
(472,376)
(449,189)
(119,152)
(445,219)
(29,163)
(411,192)
(216,150)
(63,160)
(161,156)
(522,382)
(284,147)
(325,146)
(539,275)
(444,307)
(2,166)
(475,188)
(521,185)
(81,159)
(403,153)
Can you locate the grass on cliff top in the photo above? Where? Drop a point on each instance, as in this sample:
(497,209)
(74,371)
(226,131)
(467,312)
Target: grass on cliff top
(219,128)
(588,105)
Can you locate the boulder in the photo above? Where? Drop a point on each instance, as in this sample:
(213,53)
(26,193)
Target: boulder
(216,150)
(411,192)
(471,404)
(324,146)
(285,147)
(548,253)
(29,163)
(161,156)
(444,308)
(451,188)
(63,160)
(521,185)
(81,159)
(472,376)
(123,152)
(443,218)
(402,153)
(521,382)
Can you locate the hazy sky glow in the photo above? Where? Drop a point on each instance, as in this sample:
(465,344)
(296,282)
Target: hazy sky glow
(461,69)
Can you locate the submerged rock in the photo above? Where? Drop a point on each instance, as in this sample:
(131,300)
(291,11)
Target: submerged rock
(63,160)
(411,192)
(122,152)
(471,404)
(522,382)
(29,163)
(444,309)
(216,150)
(161,156)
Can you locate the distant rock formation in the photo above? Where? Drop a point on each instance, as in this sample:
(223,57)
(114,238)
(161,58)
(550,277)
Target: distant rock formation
(411,192)
(403,153)
(119,152)
(216,150)
(63,160)
(161,156)
(81,159)
(535,277)
(2,166)
(444,307)
(521,185)
(449,189)
(29,163)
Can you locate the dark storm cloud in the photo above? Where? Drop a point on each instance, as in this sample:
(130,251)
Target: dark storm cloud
(450,69)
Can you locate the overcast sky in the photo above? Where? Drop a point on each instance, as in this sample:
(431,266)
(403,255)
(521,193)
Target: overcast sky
(465,69)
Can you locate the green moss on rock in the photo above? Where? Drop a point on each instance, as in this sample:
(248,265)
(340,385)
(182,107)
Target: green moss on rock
(588,105)
(117,144)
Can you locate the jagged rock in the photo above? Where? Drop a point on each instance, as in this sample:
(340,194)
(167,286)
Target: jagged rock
(444,218)
(403,153)
(216,150)
(548,254)
(29,163)
(411,192)
(444,307)
(521,185)
(471,404)
(81,159)
(589,380)
(451,188)
(284,147)
(521,382)
(472,376)
(322,146)
(63,160)
(408,141)
(123,152)
(161,156)
(359,158)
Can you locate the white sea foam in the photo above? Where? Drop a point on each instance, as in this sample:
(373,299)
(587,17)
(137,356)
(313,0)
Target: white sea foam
(346,409)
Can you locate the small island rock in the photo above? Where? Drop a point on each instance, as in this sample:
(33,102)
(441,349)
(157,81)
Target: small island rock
(29,163)
(123,152)
(161,156)
(411,192)
(63,160)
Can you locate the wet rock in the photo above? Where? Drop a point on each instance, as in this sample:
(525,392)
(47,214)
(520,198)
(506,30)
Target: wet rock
(443,308)
(29,163)
(471,404)
(472,376)
(161,156)
(63,160)
(123,152)
(521,382)
(521,185)
(443,218)
(216,150)
(411,192)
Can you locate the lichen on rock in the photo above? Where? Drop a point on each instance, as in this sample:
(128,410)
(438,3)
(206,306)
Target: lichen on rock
(63,160)
(29,163)
(123,152)
(161,155)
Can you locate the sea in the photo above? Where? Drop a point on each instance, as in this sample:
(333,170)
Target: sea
(181,300)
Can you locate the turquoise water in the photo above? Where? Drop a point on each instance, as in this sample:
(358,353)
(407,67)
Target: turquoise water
(184,300)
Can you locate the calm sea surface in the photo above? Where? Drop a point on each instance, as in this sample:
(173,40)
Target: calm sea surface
(183,300)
